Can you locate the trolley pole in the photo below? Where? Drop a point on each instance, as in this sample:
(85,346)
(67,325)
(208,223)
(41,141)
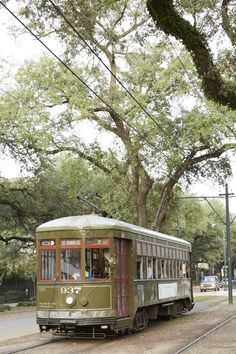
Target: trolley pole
(228,239)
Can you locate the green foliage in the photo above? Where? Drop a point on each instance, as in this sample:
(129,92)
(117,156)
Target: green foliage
(5,308)
(17,257)
(202,298)
(196,222)
(46,112)
(30,202)
(52,194)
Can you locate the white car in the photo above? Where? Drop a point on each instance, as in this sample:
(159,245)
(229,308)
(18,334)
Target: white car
(210,282)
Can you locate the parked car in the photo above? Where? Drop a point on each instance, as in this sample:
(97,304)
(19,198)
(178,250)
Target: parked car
(210,282)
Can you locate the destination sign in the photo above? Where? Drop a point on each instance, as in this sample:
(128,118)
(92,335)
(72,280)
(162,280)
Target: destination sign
(70,242)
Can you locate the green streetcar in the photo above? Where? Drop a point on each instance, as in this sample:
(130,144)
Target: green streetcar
(100,276)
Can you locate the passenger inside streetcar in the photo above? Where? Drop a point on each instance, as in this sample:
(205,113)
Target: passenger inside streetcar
(87,273)
(76,275)
(149,271)
(96,271)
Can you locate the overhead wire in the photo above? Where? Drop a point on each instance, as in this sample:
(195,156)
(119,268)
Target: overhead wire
(57,8)
(143,137)
(10,95)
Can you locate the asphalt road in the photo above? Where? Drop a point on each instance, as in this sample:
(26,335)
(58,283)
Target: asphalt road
(14,325)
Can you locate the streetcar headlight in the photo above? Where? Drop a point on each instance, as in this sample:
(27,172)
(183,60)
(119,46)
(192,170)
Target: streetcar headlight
(70,300)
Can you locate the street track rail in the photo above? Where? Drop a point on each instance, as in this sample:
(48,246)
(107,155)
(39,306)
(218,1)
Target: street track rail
(203,336)
(36,345)
(52,340)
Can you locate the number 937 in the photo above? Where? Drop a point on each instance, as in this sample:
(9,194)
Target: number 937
(70,290)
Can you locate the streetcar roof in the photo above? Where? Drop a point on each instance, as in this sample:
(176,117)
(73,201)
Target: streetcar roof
(98,222)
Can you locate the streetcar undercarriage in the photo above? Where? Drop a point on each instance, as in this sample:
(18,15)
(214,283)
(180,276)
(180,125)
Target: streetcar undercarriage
(99,328)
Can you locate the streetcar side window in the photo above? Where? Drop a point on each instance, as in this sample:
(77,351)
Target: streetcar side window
(146,268)
(145,265)
(161,261)
(163,268)
(167,262)
(150,269)
(139,268)
(155,268)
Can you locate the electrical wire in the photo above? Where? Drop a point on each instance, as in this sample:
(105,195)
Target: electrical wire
(56,7)
(84,83)
(10,95)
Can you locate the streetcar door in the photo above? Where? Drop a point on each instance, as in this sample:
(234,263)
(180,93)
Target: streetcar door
(121,278)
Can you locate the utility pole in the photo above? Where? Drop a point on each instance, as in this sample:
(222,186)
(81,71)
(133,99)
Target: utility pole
(228,236)
(228,247)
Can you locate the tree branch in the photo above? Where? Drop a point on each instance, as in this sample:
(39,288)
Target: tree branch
(6,240)
(168,20)
(122,14)
(183,167)
(59,149)
(226,22)
(214,153)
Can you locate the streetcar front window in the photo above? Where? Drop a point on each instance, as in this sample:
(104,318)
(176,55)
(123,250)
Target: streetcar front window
(97,256)
(47,260)
(48,265)
(71,264)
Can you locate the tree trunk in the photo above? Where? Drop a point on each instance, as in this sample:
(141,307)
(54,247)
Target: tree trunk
(141,186)
(1,278)
(167,190)
(166,196)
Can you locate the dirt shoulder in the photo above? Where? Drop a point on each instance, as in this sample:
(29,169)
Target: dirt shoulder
(17,310)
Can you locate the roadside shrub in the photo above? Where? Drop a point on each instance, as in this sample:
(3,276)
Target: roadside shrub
(12,296)
(5,308)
